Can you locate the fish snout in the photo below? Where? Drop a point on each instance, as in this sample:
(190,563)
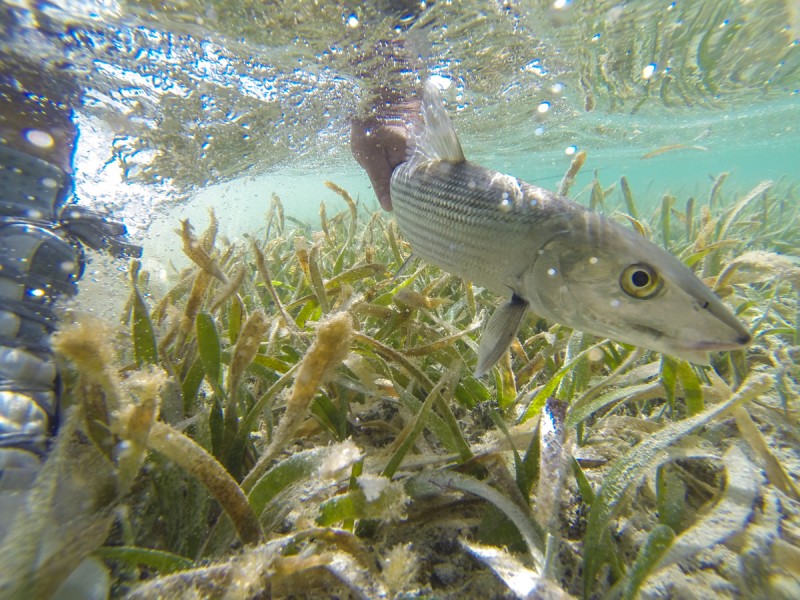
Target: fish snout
(731,334)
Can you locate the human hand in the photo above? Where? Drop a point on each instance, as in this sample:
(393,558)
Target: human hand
(379,142)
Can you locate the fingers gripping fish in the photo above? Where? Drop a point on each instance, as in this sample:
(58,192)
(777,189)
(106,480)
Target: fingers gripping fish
(549,254)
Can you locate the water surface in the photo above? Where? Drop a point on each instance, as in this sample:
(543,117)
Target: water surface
(194,104)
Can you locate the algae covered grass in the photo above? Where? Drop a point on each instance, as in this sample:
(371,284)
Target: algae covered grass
(297,417)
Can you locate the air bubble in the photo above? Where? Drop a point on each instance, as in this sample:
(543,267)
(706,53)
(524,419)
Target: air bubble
(505,203)
(442,83)
(39,138)
(595,355)
(535,67)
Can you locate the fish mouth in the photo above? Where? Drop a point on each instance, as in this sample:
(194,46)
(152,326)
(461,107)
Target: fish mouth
(693,352)
(697,352)
(678,346)
(740,342)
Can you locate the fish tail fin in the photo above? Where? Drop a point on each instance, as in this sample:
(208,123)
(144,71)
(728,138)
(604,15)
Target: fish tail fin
(435,137)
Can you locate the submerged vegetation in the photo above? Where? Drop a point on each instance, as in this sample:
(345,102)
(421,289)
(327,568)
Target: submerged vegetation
(297,417)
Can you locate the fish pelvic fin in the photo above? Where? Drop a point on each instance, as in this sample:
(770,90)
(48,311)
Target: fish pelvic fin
(404,267)
(503,325)
(435,137)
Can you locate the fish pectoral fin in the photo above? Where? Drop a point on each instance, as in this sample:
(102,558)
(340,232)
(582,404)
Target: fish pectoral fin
(500,331)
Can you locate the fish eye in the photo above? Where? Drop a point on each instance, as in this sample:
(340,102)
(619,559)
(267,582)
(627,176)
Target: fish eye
(640,281)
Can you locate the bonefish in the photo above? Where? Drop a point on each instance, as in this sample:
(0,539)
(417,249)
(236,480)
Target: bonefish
(548,254)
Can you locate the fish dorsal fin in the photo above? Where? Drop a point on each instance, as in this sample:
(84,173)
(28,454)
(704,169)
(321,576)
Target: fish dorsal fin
(435,138)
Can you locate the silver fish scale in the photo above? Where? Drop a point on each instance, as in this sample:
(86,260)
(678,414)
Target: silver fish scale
(474,222)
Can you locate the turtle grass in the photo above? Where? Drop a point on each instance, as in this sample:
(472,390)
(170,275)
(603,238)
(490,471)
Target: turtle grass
(297,416)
